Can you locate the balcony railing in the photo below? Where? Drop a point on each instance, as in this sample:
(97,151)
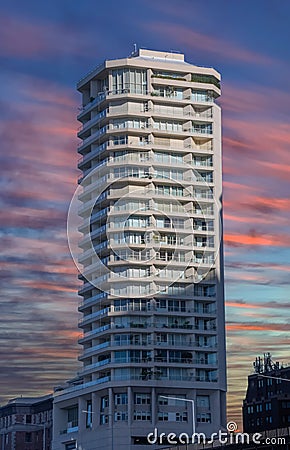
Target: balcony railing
(94,120)
(93,349)
(104,362)
(83,386)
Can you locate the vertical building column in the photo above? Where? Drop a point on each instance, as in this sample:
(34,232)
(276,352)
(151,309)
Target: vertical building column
(82,414)
(130,404)
(111,407)
(111,416)
(153,406)
(59,421)
(95,411)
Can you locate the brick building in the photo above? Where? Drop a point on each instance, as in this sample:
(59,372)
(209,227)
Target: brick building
(267,402)
(26,423)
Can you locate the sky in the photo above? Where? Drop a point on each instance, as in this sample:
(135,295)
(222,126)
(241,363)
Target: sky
(45,48)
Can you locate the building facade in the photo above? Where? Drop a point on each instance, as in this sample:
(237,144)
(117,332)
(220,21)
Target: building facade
(152,258)
(26,423)
(267,402)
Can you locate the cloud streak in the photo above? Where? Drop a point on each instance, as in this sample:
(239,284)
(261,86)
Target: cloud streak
(213,45)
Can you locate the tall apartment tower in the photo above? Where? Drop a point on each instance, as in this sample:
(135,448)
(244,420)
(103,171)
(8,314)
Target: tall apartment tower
(152,259)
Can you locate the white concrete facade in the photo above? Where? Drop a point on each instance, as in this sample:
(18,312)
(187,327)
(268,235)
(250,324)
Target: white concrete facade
(153,295)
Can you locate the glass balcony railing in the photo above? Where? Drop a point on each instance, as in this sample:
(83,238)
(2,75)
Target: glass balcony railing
(102,363)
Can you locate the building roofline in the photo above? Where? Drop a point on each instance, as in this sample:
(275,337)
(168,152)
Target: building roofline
(152,58)
(28,400)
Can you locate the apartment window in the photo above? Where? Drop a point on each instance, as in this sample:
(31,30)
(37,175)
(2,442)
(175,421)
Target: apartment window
(167,158)
(163,416)
(142,399)
(170,223)
(268,406)
(168,125)
(142,415)
(118,123)
(170,174)
(129,80)
(104,418)
(71,446)
(171,401)
(181,417)
(104,402)
(28,418)
(259,407)
(169,92)
(145,106)
(202,401)
(143,140)
(121,356)
(138,222)
(121,399)
(202,78)
(120,140)
(203,418)
(89,414)
(121,416)
(134,172)
(202,129)
(28,437)
(202,96)
(72,417)
(176,289)
(174,75)
(134,123)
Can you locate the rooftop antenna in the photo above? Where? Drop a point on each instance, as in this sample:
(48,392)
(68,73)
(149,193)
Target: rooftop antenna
(135,48)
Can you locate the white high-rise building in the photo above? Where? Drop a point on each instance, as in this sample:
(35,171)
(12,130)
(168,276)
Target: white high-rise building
(153,293)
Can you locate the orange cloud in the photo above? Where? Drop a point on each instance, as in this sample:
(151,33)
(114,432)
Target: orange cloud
(47,286)
(257,327)
(263,203)
(242,305)
(245,219)
(256,240)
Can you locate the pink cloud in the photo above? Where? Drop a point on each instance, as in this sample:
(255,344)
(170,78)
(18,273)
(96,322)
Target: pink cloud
(242,305)
(253,99)
(257,327)
(254,239)
(210,44)
(22,38)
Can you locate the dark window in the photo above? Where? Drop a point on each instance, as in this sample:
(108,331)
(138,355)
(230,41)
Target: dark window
(70,446)
(72,417)
(28,437)
(28,418)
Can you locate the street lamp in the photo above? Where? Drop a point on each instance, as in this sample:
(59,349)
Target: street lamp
(184,400)
(112,424)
